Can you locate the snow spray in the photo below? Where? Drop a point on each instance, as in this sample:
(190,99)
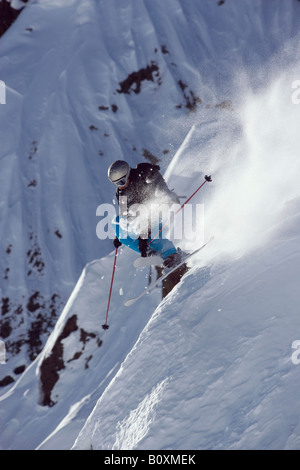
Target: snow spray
(255,161)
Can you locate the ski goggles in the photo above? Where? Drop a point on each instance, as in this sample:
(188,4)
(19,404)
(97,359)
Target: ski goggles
(121,182)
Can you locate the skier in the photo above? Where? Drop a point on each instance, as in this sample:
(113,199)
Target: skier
(143,187)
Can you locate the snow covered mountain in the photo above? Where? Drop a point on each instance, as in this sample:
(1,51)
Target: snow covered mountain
(200,87)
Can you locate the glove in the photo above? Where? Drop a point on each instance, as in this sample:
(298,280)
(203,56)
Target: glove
(117,242)
(143,247)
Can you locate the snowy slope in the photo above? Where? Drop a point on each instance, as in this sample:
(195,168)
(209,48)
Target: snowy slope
(63,124)
(216,366)
(212,369)
(218,349)
(90,358)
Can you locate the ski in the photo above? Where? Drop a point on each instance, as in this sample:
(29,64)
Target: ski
(154,260)
(154,284)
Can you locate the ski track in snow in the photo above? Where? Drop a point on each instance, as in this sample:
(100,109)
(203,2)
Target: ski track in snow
(136,426)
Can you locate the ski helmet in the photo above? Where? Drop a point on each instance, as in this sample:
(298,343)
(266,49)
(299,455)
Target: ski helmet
(118,172)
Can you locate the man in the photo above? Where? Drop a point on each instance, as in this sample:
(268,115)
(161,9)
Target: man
(144,188)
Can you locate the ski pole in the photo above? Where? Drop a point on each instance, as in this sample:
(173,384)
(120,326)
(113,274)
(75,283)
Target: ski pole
(106,326)
(206,178)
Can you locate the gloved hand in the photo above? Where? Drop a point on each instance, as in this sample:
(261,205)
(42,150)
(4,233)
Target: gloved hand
(143,247)
(117,242)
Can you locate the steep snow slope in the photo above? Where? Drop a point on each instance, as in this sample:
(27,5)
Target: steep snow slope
(66,119)
(212,369)
(84,359)
(71,120)
(216,366)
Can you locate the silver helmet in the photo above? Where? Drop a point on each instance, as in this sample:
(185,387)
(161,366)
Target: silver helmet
(118,172)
